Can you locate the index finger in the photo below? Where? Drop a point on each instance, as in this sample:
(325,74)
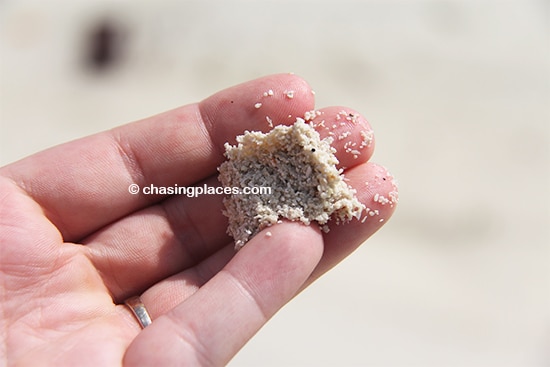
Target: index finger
(83,185)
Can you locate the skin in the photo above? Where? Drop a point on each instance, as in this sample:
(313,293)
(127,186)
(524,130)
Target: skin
(74,243)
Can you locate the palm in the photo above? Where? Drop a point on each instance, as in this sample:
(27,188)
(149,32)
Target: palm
(55,302)
(75,244)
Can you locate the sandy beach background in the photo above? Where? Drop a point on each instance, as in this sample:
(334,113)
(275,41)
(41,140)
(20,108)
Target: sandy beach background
(458,93)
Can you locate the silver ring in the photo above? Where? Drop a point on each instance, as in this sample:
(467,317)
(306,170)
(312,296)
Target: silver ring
(139,311)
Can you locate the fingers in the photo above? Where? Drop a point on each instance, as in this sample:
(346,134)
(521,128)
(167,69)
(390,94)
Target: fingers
(377,189)
(212,325)
(206,322)
(159,241)
(83,185)
(380,198)
(352,135)
(196,327)
(172,291)
(181,231)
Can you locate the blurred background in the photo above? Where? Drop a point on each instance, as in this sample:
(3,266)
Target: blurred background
(458,93)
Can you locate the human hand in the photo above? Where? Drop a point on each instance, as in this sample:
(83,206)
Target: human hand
(75,244)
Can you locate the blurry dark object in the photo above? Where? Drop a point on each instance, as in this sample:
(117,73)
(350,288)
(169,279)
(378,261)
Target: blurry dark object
(103,46)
